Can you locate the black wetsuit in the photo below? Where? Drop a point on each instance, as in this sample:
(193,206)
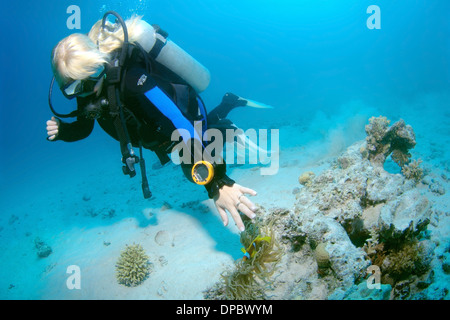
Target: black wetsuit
(146,125)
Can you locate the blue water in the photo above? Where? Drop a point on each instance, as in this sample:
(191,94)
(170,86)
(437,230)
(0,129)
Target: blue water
(316,62)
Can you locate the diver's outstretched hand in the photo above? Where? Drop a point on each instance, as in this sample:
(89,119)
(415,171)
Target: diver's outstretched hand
(52,128)
(233,199)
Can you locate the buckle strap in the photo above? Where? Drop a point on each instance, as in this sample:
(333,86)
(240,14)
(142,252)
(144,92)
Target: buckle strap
(128,156)
(161,40)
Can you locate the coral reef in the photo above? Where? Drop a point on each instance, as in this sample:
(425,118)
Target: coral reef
(371,216)
(352,218)
(383,140)
(367,217)
(133,266)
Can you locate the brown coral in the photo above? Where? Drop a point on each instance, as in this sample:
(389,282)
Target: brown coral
(383,140)
(397,262)
(376,129)
(413,170)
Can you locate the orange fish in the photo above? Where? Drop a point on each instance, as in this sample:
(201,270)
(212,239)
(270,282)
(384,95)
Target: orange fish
(251,250)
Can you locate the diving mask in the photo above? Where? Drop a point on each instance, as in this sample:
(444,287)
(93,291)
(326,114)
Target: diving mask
(77,88)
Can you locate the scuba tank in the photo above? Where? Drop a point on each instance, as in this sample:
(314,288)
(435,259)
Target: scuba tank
(166,52)
(155,43)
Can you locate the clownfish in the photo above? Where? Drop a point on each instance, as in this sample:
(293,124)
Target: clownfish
(251,250)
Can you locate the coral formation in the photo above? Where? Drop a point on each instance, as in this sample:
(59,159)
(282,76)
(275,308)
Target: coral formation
(322,256)
(352,217)
(413,170)
(133,266)
(400,263)
(43,249)
(398,260)
(306,178)
(383,140)
(365,216)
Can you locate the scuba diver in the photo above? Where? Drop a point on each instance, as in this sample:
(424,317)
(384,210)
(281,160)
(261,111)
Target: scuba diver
(141,87)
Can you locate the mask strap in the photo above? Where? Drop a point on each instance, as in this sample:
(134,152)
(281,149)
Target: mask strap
(50,92)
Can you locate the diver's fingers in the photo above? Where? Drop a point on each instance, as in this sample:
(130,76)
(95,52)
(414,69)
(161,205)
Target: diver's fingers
(237,218)
(51,123)
(245,210)
(53,119)
(52,127)
(223,215)
(246,201)
(248,191)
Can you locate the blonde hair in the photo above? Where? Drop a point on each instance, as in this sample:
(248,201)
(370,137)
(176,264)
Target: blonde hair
(111,37)
(78,56)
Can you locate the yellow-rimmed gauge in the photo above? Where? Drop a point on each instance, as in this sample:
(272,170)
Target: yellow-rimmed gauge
(202,172)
